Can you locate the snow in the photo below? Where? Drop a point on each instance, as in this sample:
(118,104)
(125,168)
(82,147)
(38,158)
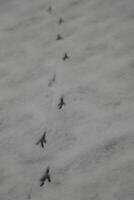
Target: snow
(90,141)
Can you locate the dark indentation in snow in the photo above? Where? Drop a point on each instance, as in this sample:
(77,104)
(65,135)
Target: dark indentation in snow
(45,177)
(61,103)
(52,81)
(59,37)
(42,140)
(65,57)
(61,20)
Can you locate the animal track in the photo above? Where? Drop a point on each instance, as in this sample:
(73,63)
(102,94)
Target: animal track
(52,80)
(60,20)
(61,103)
(65,57)
(59,37)
(42,140)
(45,177)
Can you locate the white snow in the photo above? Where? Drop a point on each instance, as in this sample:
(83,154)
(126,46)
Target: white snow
(90,141)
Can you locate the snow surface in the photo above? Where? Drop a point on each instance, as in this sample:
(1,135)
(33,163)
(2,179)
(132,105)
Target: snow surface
(90,141)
